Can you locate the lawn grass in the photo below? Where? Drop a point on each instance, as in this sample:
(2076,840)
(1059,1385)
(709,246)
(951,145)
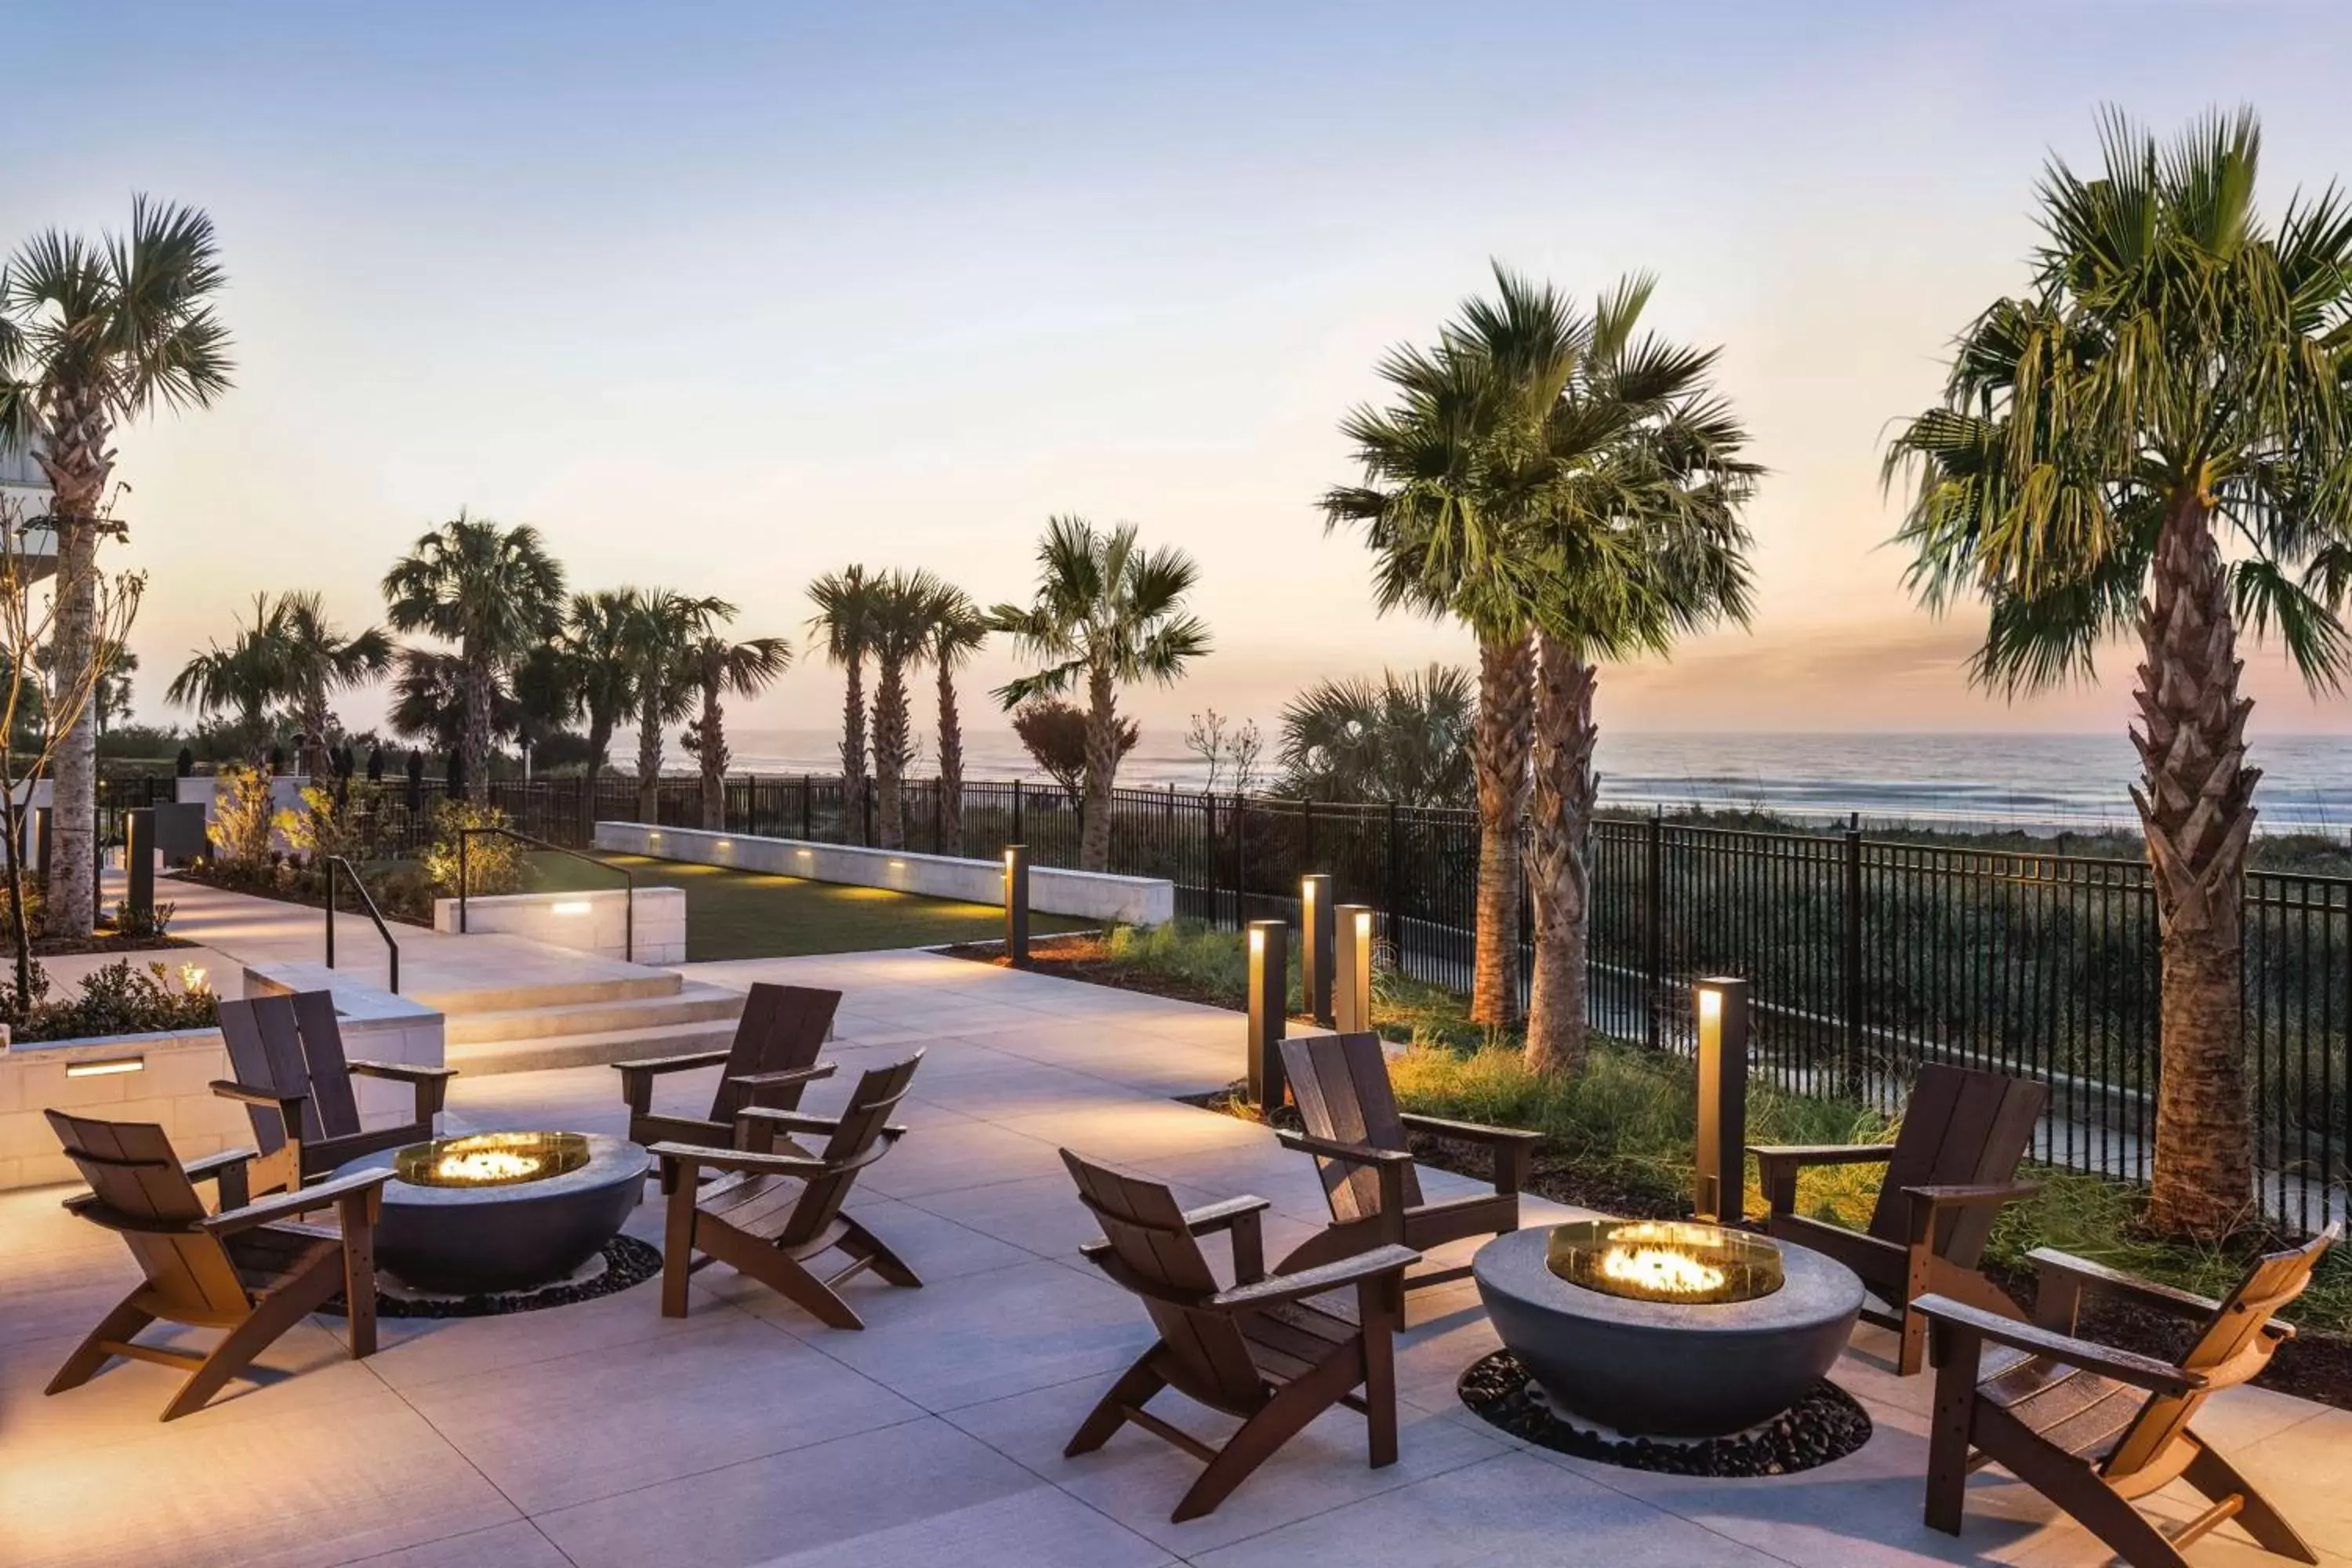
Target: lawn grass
(746,914)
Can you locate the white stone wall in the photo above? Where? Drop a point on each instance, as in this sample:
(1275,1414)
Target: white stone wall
(1086,895)
(171,1087)
(593,923)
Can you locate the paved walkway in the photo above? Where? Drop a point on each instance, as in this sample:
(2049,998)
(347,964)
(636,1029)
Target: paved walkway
(746,1433)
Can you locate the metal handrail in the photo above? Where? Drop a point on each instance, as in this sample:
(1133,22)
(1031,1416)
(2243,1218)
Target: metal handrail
(629,912)
(367,902)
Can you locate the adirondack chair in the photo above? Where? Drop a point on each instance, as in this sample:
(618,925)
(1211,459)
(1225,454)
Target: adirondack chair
(1357,1135)
(1277,1351)
(249,1269)
(769,1215)
(2093,1429)
(1951,1167)
(296,1082)
(771,1060)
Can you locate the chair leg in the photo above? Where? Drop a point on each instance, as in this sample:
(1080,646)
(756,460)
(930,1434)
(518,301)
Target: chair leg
(1282,1418)
(1948,1437)
(1378,1320)
(677,1247)
(1133,1390)
(861,1243)
(276,1313)
(2218,1478)
(780,1272)
(118,1327)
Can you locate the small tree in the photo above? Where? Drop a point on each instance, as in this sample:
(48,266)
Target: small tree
(242,818)
(1229,750)
(1056,735)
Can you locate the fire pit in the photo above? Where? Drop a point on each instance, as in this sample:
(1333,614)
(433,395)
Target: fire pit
(502,1211)
(1666,1327)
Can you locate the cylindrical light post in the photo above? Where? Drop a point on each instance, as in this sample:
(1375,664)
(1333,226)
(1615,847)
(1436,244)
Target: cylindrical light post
(1316,930)
(1721,1006)
(1016,905)
(1269,988)
(1351,977)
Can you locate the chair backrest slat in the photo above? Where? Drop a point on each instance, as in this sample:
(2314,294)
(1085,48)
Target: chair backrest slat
(1341,1085)
(333,1104)
(2236,1329)
(132,1170)
(1208,1359)
(858,1130)
(782,1027)
(1960,1126)
(249,1060)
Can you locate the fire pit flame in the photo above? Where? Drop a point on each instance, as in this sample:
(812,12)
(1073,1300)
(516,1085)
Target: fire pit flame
(1665,1260)
(1660,1271)
(492,1159)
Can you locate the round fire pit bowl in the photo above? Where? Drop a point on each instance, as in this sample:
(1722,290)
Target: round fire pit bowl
(1648,1365)
(502,1211)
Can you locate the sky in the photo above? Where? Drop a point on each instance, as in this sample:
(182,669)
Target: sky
(721,297)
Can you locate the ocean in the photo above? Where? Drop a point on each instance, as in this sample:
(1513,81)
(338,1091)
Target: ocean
(2036,782)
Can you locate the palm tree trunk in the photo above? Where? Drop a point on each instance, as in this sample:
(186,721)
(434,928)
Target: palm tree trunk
(2196,811)
(1561,817)
(951,762)
(600,743)
(1102,767)
(314,761)
(70,902)
(890,753)
(649,757)
(474,741)
(711,744)
(853,750)
(1505,671)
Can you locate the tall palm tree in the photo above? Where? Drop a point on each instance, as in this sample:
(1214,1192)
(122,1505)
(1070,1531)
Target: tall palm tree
(1106,612)
(898,629)
(1402,739)
(721,669)
(2176,371)
(957,630)
(315,661)
(1442,502)
(663,629)
(594,645)
(245,679)
(497,594)
(845,603)
(430,701)
(93,337)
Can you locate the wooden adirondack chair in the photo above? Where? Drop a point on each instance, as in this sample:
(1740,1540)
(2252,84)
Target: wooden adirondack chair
(769,1215)
(771,1060)
(1357,1135)
(2093,1429)
(1277,1351)
(248,1268)
(296,1082)
(1951,1167)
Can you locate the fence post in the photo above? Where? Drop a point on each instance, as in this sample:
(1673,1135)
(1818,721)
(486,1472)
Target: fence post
(1016,811)
(1306,829)
(1209,842)
(865,804)
(1654,925)
(939,820)
(1396,886)
(1850,963)
(808,788)
(1240,859)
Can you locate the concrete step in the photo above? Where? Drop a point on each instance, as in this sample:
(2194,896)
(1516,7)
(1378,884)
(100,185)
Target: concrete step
(603,983)
(692,1003)
(483,1059)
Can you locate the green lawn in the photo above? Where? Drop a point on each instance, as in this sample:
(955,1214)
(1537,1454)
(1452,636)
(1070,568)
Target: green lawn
(745,914)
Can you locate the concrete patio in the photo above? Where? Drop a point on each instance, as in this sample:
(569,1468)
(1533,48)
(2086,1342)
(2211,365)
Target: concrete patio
(746,1433)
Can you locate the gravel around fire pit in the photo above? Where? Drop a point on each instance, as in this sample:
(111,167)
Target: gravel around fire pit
(1825,1425)
(627,1262)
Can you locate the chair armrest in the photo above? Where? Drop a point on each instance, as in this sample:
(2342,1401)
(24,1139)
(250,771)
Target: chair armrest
(1979,1195)
(784,1075)
(405,1072)
(690,1060)
(2064,1277)
(1468,1132)
(300,1201)
(288,1106)
(745,1161)
(212,1167)
(1801,1154)
(802,1121)
(1355,1153)
(1210,1218)
(1276,1289)
(1243,1220)
(2124,1366)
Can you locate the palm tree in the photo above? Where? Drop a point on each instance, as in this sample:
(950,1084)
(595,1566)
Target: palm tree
(663,627)
(1402,739)
(93,337)
(721,669)
(497,594)
(594,645)
(1441,502)
(245,679)
(1106,612)
(315,660)
(430,701)
(898,628)
(2176,370)
(844,602)
(957,630)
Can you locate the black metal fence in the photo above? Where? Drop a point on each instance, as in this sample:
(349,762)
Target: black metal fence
(1868,957)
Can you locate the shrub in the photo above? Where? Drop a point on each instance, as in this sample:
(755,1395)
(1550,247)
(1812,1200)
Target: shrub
(142,925)
(494,863)
(242,818)
(118,999)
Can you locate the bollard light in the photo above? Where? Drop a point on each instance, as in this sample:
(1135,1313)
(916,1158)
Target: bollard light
(1721,1006)
(1314,929)
(1351,970)
(139,860)
(1016,905)
(1269,998)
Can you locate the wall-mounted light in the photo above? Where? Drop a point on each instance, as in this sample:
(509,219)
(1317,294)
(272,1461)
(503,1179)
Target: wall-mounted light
(726,844)
(569,906)
(1316,932)
(105,1069)
(897,865)
(1016,905)
(1269,995)
(1720,1004)
(1352,969)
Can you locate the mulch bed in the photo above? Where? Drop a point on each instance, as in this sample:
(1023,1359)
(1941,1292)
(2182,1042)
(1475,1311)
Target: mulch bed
(1827,1424)
(629,1262)
(104,942)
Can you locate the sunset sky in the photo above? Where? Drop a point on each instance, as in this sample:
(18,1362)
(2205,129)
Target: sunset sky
(724,296)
